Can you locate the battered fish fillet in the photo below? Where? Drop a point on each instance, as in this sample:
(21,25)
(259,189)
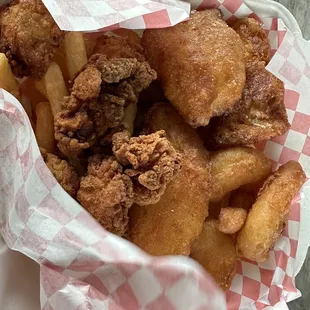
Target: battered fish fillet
(63,172)
(268,216)
(255,40)
(173,224)
(200,64)
(29,37)
(216,252)
(94,111)
(234,167)
(258,116)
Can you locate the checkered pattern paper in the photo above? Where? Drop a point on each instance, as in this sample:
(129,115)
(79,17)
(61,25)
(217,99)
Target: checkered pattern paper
(82,265)
(85,15)
(85,267)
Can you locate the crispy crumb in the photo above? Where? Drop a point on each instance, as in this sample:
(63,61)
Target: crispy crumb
(97,101)
(151,162)
(63,172)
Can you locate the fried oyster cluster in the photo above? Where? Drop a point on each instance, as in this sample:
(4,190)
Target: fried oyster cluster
(95,108)
(120,169)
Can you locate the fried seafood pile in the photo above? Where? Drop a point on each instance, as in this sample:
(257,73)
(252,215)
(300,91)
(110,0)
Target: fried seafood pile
(155,137)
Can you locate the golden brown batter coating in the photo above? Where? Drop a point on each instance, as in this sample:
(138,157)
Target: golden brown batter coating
(268,216)
(151,162)
(107,194)
(63,172)
(234,167)
(173,224)
(254,38)
(216,252)
(95,108)
(259,115)
(200,64)
(231,220)
(29,37)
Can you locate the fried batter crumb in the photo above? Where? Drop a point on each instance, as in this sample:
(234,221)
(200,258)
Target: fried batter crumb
(151,162)
(29,37)
(231,220)
(107,194)
(63,172)
(99,95)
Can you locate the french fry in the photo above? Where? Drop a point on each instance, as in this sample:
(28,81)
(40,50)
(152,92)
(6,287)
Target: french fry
(61,60)
(55,87)
(45,127)
(129,117)
(40,87)
(90,43)
(30,93)
(75,51)
(7,79)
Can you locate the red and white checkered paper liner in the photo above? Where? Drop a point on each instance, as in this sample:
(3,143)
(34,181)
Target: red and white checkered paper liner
(85,267)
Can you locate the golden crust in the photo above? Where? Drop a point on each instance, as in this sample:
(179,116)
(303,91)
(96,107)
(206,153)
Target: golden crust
(268,216)
(173,224)
(254,38)
(200,64)
(216,252)
(258,116)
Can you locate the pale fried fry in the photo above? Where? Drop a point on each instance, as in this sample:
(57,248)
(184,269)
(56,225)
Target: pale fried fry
(29,91)
(55,87)
(173,224)
(7,79)
(60,59)
(40,87)
(234,167)
(75,51)
(216,252)
(231,220)
(45,127)
(268,216)
(90,44)
(129,117)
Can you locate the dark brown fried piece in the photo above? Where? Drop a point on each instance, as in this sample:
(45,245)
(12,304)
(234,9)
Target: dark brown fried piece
(119,47)
(151,162)
(29,37)
(97,101)
(107,194)
(255,39)
(63,172)
(259,115)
